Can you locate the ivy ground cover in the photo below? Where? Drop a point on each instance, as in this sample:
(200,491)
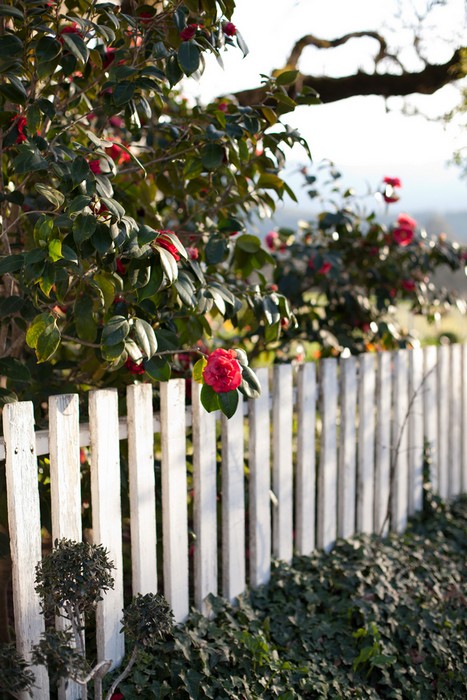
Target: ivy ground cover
(372,619)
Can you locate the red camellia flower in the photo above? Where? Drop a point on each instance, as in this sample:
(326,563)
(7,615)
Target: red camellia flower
(408,285)
(20,123)
(134,368)
(403,235)
(95,166)
(271,239)
(229,29)
(324,269)
(72,28)
(189,32)
(407,221)
(164,242)
(193,253)
(120,267)
(389,193)
(223,372)
(118,154)
(392,181)
(117,696)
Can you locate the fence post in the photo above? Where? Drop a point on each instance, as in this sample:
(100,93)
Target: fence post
(107,517)
(305,492)
(233,505)
(455,417)
(25,533)
(142,488)
(416,388)
(65,488)
(383,442)
(282,474)
(400,442)
(366,443)
(174,495)
(327,480)
(260,484)
(205,501)
(346,493)
(430,411)
(443,420)
(464,420)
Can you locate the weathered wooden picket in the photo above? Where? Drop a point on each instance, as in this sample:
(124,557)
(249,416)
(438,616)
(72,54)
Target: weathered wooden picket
(313,459)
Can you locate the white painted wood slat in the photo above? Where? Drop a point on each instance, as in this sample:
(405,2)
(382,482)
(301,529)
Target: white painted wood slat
(260,484)
(443,420)
(305,492)
(327,480)
(106,516)
(416,389)
(383,442)
(174,496)
(455,418)
(346,492)
(233,505)
(65,488)
(282,409)
(366,443)
(142,489)
(205,501)
(430,410)
(25,533)
(400,443)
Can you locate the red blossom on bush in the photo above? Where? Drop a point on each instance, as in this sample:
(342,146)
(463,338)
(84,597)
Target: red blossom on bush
(134,367)
(223,106)
(20,123)
(163,241)
(189,32)
(95,166)
(223,372)
(117,696)
(402,235)
(72,28)
(271,239)
(406,221)
(109,57)
(408,285)
(389,193)
(120,267)
(229,29)
(116,122)
(392,181)
(324,269)
(193,253)
(118,154)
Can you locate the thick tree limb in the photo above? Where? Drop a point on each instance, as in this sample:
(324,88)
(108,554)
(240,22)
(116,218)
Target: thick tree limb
(427,81)
(310,40)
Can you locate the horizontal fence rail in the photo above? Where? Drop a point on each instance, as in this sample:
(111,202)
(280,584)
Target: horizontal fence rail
(328,450)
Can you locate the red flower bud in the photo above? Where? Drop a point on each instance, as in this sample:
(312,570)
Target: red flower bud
(223,372)
(189,32)
(164,242)
(229,29)
(134,368)
(95,166)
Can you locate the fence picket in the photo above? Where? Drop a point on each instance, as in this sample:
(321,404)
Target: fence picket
(260,484)
(107,516)
(305,497)
(205,501)
(366,444)
(455,417)
(346,494)
(233,506)
(400,443)
(25,533)
(383,442)
(174,494)
(443,420)
(65,488)
(282,474)
(327,478)
(430,411)
(416,388)
(142,488)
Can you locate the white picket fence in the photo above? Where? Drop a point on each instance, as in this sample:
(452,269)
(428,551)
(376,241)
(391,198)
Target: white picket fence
(311,460)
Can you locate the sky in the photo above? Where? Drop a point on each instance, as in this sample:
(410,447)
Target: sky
(366,138)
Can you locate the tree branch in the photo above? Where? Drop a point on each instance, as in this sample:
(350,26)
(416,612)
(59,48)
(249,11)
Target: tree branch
(427,81)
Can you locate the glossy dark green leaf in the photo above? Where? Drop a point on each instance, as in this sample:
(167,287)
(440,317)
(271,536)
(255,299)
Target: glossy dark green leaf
(248,243)
(212,156)
(228,402)
(216,250)
(14,370)
(158,369)
(115,330)
(145,337)
(189,57)
(54,196)
(11,263)
(209,398)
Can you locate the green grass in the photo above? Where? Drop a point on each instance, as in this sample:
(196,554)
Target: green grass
(372,619)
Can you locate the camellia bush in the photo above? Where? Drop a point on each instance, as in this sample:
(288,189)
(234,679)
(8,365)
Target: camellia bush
(345,272)
(125,236)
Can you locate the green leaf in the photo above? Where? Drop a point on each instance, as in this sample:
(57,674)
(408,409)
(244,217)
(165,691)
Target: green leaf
(228,402)
(145,337)
(250,385)
(173,70)
(79,169)
(115,331)
(189,57)
(79,203)
(55,250)
(106,286)
(158,369)
(28,159)
(76,45)
(270,115)
(11,263)
(8,11)
(198,369)
(271,181)
(86,326)
(10,45)
(83,227)
(212,155)
(44,336)
(209,398)
(50,193)
(248,243)
(287,77)
(169,264)
(123,93)
(112,353)
(7,396)
(43,230)
(216,250)
(37,326)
